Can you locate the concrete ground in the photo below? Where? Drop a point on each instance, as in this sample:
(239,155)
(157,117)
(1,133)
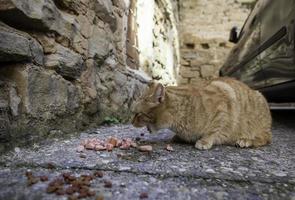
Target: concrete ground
(186,173)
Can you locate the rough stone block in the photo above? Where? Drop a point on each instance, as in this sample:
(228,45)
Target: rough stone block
(65,62)
(104,10)
(76,6)
(16,46)
(86,26)
(182,81)
(188,73)
(44,94)
(41,15)
(48,44)
(100,44)
(207,71)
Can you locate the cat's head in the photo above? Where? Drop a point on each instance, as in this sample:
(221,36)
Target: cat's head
(146,110)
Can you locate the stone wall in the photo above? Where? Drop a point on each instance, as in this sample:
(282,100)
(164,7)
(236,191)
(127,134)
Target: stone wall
(204,31)
(63,65)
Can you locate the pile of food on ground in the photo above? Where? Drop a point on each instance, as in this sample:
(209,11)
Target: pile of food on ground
(75,187)
(111,143)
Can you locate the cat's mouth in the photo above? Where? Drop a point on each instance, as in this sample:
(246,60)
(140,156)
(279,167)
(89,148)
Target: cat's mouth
(141,119)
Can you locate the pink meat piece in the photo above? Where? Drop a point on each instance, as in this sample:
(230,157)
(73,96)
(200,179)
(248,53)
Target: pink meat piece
(109,147)
(89,146)
(99,147)
(145,148)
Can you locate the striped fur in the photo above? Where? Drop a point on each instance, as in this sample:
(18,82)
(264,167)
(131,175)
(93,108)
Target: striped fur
(220,111)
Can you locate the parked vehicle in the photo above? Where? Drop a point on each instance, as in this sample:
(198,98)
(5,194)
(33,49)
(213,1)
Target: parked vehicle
(264,54)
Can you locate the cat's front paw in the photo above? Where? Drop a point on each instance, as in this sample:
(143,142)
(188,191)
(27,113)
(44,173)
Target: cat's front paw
(203,144)
(244,143)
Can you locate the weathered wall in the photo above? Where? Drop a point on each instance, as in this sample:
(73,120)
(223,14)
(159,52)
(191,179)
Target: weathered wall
(158,39)
(204,30)
(63,65)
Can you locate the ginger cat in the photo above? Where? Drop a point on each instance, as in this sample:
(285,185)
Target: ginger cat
(219,111)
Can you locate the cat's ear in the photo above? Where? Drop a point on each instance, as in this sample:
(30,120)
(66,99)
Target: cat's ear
(159,93)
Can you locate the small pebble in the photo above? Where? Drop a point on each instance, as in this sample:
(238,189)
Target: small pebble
(83,156)
(210,171)
(122,185)
(17,150)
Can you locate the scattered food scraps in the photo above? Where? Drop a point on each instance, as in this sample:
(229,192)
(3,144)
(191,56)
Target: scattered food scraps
(31,178)
(73,197)
(99,198)
(29,173)
(70,190)
(99,147)
(98,174)
(44,178)
(145,148)
(67,184)
(90,146)
(133,144)
(143,195)
(50,165)
(112,143)
(108,184)
(169,147)
(109,144)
